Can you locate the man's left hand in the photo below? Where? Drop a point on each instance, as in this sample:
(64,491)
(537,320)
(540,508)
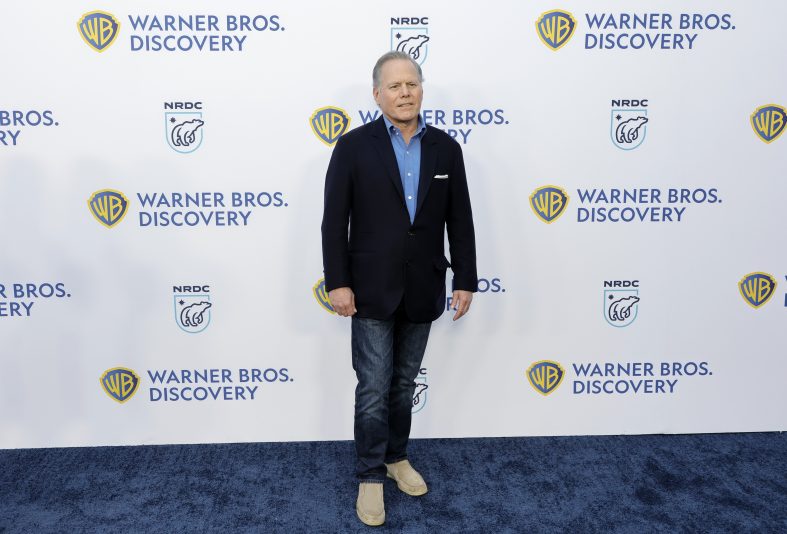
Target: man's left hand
(461,302)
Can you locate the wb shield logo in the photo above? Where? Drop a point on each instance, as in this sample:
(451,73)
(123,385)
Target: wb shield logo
(545,376)
(329,124)
(108,206)
(120,383)
(98,29)
(411,41)
(548,203)
(192,312)
(768,122)
(555,28)
(621,306)
(628,127)
(184,130)
(322,296)
(757,288)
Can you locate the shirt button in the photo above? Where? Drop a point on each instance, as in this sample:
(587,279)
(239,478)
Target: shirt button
(409,174)
(410,197)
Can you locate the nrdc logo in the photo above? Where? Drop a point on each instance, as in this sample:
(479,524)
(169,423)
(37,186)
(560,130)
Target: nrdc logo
(321,296)
(621,302)
(545,376)
(549,203)
(329,124)
(192,307)
(757,289)
(419,394)
(628,120)
(768,122)
(98,29)
(410,35)
(555,28)
(184,126)
(108,206)
(120,383)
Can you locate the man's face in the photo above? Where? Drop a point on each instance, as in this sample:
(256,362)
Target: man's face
(400,92)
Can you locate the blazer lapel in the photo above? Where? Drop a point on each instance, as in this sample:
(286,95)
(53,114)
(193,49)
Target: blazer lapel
(428,166)
(382,142)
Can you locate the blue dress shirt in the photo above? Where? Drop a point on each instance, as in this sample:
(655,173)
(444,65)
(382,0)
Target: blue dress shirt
(408,157)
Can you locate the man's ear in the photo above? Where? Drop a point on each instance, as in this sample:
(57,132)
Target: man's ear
(375,94)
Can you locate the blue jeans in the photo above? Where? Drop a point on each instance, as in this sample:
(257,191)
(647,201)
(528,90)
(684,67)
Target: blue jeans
(386,358)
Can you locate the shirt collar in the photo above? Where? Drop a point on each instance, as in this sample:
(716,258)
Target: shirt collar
(420,129)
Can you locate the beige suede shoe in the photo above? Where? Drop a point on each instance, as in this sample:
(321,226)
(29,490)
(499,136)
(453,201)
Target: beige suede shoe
(370,506)
(407,479)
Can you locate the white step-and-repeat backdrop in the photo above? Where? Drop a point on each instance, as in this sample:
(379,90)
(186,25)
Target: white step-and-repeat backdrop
(161,177)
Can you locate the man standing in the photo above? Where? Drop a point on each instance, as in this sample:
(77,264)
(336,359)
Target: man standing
(398,185)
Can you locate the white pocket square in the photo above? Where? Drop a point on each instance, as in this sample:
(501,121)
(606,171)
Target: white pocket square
(440,176)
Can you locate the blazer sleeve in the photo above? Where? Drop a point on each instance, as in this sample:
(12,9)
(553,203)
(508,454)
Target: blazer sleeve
(336,217)
(459,224)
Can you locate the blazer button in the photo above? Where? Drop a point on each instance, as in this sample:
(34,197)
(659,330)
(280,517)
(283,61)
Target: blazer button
(410,232)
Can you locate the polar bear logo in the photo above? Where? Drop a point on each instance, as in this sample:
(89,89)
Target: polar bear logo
(413,46)
(184,133)
(419,388)
(620,310)
(193,315)
(628,131)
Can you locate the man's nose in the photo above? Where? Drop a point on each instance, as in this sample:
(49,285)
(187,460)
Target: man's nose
(405,91)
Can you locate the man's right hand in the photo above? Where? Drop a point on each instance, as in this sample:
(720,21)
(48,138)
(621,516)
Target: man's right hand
(343,301)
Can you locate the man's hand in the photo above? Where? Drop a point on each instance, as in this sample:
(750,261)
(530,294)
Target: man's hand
(461,302)
(343,301)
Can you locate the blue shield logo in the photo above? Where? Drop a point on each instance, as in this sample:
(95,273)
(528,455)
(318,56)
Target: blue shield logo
(192,312)
(621,306)
(545,376)
(555,28)
(548,203)
(329,124)
(108,206)
(419,394)
(184,130)
(768,122)
(322,296)
(757,288)
(98,29)
(412,41)
(628,127)
(120,383)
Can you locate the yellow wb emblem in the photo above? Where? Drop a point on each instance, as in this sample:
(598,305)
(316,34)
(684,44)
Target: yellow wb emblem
(555,28)
(98,29)
(545,376)
(329,124)
(321,295)
(757,288)
(120,383)
(549,203)
(769,121)
(108,206)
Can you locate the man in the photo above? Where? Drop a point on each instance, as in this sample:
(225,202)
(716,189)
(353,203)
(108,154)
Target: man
(398,184)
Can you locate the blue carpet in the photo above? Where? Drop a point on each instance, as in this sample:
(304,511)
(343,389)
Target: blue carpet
(684,483)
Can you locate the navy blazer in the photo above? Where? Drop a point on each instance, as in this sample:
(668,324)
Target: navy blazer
(385,258)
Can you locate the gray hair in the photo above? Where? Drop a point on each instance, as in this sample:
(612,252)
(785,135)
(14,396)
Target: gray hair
(390,56)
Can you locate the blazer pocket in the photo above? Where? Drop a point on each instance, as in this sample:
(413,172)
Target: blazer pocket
(441,263)
(441,177)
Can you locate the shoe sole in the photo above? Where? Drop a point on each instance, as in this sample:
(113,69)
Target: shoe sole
(370,520)
(415,491)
